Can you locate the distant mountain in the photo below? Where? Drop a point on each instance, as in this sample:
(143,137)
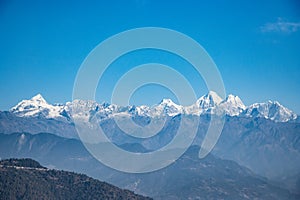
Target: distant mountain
(209,100)
(38,107)
(207,104)
(27,179)
(270,110)
(188,178)
(232,105)
(166,107)
(204,104)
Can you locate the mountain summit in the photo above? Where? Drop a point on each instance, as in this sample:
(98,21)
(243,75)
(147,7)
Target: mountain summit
(208,101)
(167,107)
(232,105)
(37,106)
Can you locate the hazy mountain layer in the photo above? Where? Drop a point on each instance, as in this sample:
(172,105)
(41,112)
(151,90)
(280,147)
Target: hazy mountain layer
(189,177)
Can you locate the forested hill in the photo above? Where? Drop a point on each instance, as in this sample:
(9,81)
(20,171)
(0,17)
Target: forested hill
(27,179)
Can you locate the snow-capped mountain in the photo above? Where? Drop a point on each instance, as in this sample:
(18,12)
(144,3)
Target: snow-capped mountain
(37,106)
(210,100)
(205,104)
(166,107)
(270,110)
(139,110)
(232,105)
(210,103)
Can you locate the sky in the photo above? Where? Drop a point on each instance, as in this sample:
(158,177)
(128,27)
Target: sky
(254,44)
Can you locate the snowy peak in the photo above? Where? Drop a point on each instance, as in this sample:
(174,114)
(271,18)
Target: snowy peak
(87,109)
(270,110)
(234,100)
(139,110)
(166,107)
(232,105)
(38,98)
(166,102)
(209,100)
(37,106)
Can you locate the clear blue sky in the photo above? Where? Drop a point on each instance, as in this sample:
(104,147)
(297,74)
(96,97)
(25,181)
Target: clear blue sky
(255,44)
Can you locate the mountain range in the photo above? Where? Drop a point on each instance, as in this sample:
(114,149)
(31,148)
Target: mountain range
(210,103)
(263,139)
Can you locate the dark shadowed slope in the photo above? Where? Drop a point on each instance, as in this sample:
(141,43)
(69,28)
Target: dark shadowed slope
(26,179)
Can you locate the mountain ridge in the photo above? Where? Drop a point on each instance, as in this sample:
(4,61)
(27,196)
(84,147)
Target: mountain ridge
(210,103)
